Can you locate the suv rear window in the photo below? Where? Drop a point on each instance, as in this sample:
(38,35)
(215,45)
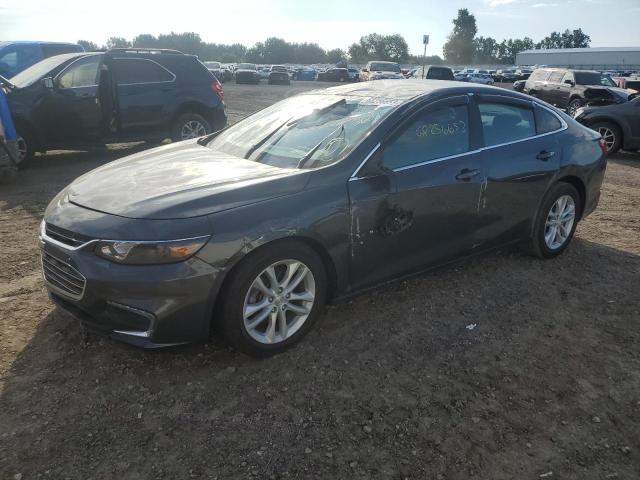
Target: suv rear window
(438,73)
(140,70)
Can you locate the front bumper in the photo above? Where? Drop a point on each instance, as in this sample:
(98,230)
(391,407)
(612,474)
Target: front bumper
(145,305)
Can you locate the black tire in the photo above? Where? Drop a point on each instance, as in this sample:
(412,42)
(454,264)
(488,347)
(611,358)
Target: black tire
(229,319)
(537,245)
(26,148)
(605,129)
(574,105)
(181,122)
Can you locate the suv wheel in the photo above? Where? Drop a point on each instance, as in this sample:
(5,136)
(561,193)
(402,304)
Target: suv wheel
(574,105)
(556,221)
(26,151)
(272,299)
(611,134)
(189,125)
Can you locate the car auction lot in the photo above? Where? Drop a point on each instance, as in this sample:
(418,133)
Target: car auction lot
(497,367)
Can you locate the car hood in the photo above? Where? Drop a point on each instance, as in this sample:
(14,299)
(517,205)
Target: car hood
(181,180)
(597,92)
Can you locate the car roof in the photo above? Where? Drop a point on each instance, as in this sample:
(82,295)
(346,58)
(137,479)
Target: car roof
(405,90)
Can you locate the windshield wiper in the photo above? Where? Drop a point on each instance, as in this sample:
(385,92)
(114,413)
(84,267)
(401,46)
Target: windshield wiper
(308,156)
(319,111)
(264,140)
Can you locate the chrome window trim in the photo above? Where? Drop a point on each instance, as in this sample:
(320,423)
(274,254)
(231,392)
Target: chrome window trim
(145,83)
(563,127)
(55,79)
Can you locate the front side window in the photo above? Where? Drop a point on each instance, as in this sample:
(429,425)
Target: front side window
(504,123)
(594,78)
(139,70)
(82,73)
(436,133)
(555,77)
(306,131)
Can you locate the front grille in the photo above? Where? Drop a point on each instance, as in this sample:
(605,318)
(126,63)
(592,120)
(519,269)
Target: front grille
(62,277)
(65,236)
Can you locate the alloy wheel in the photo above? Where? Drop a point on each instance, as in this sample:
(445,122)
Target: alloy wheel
(609,137)
(559,222)
(279,301)
(193,129)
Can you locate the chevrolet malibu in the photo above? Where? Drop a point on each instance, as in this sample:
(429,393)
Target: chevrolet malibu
(249,231)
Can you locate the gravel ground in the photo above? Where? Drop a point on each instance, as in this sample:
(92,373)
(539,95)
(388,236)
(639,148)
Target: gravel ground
(499,367)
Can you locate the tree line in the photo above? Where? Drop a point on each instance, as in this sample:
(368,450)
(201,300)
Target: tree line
(463,46)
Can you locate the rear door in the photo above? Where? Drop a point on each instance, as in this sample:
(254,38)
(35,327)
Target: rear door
(520,158)
(554,83)
(565,89)
(421,207)
(143,89)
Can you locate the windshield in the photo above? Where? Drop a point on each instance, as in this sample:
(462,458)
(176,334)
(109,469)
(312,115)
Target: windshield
(385,67)
(594,78)
(306,131)
(246,66)
(39,70)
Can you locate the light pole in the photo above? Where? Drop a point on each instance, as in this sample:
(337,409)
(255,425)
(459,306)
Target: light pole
(425,41)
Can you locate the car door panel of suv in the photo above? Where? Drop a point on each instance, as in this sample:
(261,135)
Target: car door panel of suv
(142,87)
(431,173)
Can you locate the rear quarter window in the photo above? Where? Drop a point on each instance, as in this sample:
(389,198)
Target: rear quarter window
(546,121)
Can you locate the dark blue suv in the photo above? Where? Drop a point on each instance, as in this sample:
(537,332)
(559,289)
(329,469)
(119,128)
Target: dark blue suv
(75,101)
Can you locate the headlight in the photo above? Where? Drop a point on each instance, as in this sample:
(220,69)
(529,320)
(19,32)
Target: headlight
(579,112)
(149,253)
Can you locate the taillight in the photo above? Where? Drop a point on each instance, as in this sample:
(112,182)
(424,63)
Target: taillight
(603,146)
(217,89)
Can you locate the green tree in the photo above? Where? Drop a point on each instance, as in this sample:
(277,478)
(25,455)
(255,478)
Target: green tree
(567,39)
(117,42)
(145,40)
(336,55)
(308,53)
(379,47)
(459,47)
(87,45)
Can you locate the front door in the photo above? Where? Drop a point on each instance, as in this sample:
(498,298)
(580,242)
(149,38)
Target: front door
(71,109)
(421,206)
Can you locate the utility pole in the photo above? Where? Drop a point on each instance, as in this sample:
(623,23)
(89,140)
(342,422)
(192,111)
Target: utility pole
(425,41)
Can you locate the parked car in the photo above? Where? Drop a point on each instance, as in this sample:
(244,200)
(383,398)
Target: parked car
(523,73)
(505,75)
(354,74)
(482,78)
(334,75)
(251,230)
(381,71)
(571,89)
(461,77)
(304,73)
(619,124)
(247,73)
(216,69)
(79,100)
(18,56)
(518,85)
(435,72)
(226,73)
(263,72)
(278,74)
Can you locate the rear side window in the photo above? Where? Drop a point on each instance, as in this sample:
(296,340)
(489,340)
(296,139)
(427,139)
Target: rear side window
(504,123)
(81,73)
(140,70)
(546,121)
(555,77)
(440,74)
(435,133)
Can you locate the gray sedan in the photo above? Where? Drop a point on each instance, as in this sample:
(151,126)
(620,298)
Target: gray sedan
(250,231)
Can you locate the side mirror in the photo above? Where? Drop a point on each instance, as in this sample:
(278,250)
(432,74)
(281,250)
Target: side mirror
(365,69)
(47,82)
(569,82)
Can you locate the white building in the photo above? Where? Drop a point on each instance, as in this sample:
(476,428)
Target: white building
(603,58)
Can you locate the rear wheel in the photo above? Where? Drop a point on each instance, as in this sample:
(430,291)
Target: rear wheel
(189,125)
(272,299)
(556,221)
(611,134)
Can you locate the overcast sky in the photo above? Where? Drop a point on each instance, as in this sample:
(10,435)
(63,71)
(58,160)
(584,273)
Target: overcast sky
(331,23)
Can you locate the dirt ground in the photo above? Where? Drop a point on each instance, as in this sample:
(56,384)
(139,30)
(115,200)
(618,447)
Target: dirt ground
(499,367)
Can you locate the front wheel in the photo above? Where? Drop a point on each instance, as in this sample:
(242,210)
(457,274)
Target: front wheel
(573,106)
(25,147)
(189,125)
(611,134)
(272,299)
(556,221)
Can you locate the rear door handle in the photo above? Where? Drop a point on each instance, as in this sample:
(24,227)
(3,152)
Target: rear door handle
(544,155)
(467,174)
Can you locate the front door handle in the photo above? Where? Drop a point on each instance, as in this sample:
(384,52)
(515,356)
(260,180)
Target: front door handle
(544,155)
(467,174)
